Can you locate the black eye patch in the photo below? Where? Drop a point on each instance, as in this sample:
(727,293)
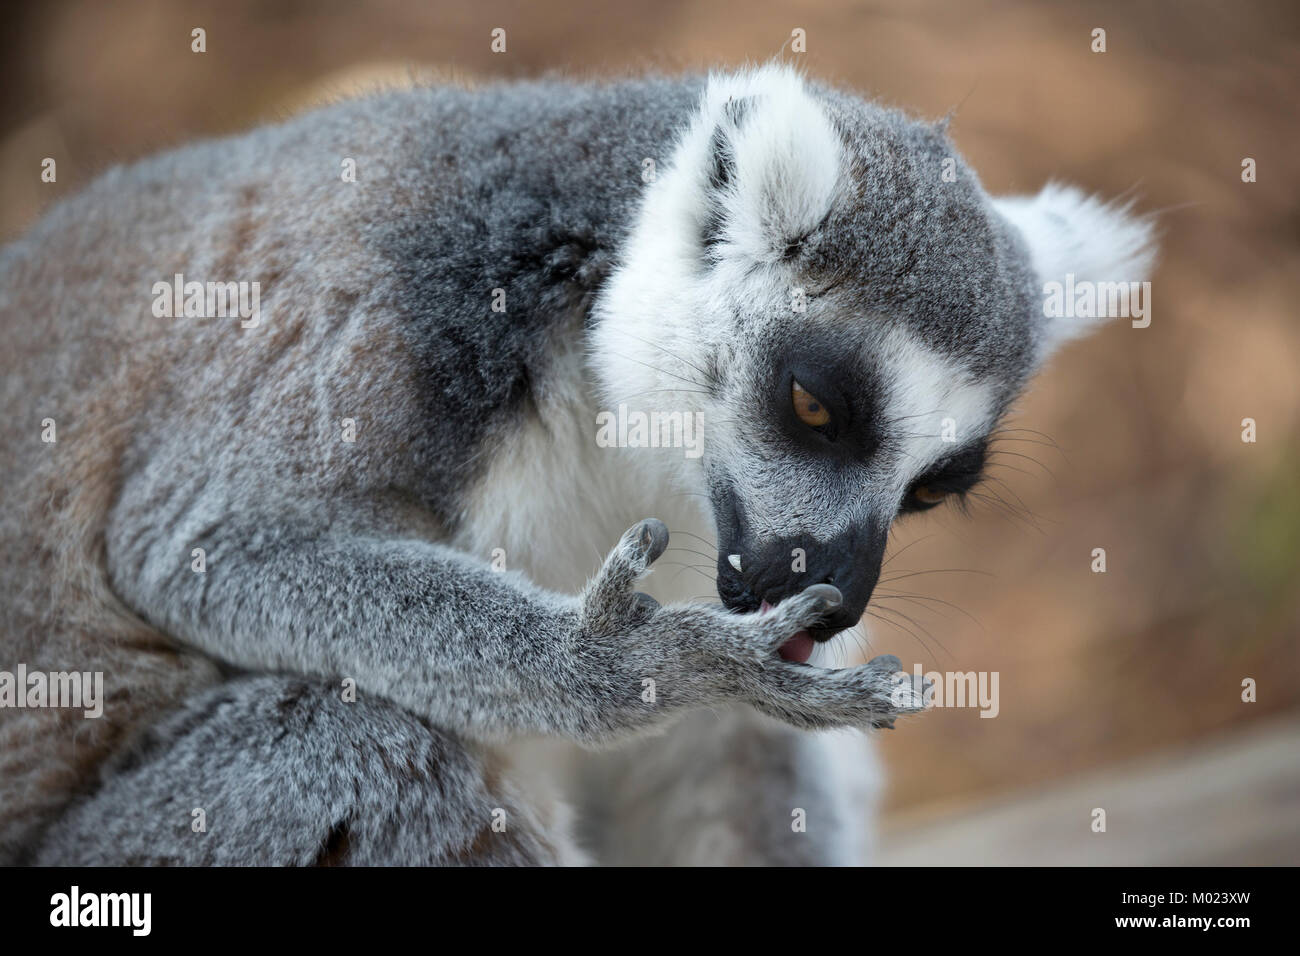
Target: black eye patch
(852,433)
(954,475)
(830,370)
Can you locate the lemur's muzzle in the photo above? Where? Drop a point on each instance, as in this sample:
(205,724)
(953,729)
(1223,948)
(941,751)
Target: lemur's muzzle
(756,572)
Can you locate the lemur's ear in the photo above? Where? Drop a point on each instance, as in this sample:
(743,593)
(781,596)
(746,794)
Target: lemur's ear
(770,166)
(1071,234)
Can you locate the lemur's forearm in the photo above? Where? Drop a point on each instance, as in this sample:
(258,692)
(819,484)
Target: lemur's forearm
(478,652)
(487,654)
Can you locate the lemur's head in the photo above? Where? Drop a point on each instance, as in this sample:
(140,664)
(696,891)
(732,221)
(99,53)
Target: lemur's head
(827,283)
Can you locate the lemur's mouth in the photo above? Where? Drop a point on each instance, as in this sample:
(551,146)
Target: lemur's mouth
(799,648)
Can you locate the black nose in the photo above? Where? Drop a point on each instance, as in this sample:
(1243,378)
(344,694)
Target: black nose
(773,570)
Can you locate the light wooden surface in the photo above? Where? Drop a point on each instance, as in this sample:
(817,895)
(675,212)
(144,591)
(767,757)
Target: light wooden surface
(1232,801)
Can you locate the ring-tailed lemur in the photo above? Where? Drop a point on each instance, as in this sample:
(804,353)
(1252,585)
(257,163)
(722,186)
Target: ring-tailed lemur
(331,558)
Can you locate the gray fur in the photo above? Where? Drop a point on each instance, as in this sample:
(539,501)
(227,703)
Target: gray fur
(273,764)
(330,560)
(928,253)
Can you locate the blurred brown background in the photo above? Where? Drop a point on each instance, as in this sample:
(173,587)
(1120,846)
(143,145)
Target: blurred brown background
(1120,690)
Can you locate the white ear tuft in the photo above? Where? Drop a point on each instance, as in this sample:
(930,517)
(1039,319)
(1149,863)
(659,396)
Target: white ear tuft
(782,157)
(1080,242)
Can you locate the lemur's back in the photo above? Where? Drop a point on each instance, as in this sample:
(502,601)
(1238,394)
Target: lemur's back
(375,300)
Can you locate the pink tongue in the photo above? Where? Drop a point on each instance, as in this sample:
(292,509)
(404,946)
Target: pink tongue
(799,648)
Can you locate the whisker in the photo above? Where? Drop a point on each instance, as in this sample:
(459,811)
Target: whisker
(1016,454)
(662,371)
(904,549)
(919,598)
(902,627)
(993,461)
(699,538)
(915,623)
(666,352)
(912,574)
(689,550)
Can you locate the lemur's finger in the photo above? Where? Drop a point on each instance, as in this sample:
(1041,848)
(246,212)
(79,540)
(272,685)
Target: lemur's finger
(643,605)
(872,695)
(799,612)
(886,662)
(653,537)
(640,545)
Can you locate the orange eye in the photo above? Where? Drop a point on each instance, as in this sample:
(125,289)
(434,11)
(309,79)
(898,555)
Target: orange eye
(810,411)
(927,495)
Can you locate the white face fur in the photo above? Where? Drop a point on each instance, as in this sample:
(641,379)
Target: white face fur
(735,285)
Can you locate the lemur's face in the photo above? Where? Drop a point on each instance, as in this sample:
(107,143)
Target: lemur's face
(828,285)
(819,432)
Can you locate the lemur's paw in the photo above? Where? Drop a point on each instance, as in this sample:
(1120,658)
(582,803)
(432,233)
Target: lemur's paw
(609,599)
(702,642)
(648,540)
(701,654)
(872,695)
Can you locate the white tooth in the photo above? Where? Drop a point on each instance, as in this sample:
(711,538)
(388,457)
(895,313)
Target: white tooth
(734,561)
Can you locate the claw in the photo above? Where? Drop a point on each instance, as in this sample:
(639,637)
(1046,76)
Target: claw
(653,539)
(645,602)
(827,596)
(886,662)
